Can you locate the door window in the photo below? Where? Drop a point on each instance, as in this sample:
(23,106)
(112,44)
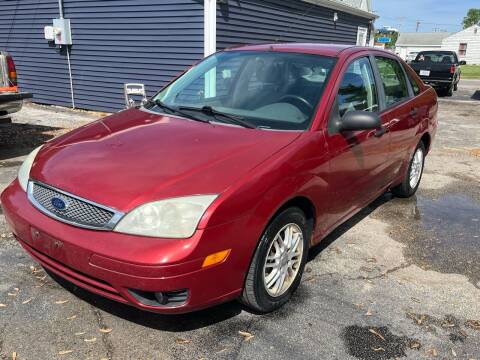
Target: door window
(393,79)
(413,82)
(357,90)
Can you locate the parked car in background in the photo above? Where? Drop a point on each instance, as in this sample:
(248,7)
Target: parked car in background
(10,99)
(411,56)
(218,186)
(441,69)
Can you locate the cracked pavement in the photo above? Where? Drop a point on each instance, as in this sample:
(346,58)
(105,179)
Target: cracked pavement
(399,280)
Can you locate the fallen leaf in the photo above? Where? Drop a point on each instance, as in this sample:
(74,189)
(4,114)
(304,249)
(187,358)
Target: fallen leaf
(3,305)
(369,312)
(14,356)
(182,341)
(432,351)
(12,294)
(105,330)
(80,333)
(414,345)
(72,317)
(27,301)
(90,340)
(247,336)
(454,353)
(222,351)
(378,349)
(473,324)
(64,352)
(59,302)
(374,332)
(16,289)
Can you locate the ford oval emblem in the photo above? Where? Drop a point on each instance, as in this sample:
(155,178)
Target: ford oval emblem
(59,204)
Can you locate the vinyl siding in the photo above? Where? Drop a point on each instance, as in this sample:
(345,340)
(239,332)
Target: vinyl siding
(257,21)
(469,37)
(114,42)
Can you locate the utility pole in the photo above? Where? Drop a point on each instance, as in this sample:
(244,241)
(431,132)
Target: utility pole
(418,25)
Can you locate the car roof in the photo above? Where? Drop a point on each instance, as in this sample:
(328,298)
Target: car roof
(333,50)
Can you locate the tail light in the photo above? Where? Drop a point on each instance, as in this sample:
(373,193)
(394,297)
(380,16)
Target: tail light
(12,72)
(452,69)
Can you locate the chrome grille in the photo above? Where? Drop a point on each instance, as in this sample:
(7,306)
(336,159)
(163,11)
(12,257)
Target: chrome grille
(78,211)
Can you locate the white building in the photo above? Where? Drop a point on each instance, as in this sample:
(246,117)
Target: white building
(409,45)
(465,43)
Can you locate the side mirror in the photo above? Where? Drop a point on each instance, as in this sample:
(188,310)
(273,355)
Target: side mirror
(463,62)
(359,120)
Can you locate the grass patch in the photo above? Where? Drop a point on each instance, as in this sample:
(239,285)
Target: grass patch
(471,71)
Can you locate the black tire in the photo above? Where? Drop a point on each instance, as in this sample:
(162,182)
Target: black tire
(449,91)
(455,87)
(404,190)
(255,294)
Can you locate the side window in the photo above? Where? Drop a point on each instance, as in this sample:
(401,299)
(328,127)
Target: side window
(357,90)
(393,78)
(413,82)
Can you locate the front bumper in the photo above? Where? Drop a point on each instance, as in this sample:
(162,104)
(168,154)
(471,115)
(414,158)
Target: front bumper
(111,264)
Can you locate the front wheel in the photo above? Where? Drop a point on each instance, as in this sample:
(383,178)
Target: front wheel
(278,262)
(410,183)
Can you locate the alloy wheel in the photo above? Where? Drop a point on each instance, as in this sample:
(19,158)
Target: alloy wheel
(283,260)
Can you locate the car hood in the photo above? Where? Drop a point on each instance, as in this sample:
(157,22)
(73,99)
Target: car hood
(136,156)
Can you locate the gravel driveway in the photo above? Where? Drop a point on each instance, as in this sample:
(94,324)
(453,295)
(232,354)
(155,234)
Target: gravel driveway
(401,279)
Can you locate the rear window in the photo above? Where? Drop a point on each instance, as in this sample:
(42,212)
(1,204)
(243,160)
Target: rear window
(437,58)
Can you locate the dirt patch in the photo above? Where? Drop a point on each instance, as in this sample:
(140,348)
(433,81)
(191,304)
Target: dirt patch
(376,343)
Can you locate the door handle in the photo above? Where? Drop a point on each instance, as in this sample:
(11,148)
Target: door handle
(380,132)
(414,112)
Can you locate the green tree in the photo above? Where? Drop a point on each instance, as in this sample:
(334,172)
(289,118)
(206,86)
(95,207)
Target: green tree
(472,18)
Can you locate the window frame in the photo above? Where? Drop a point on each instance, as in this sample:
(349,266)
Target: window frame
(464,49)
(384,106)
(334,113)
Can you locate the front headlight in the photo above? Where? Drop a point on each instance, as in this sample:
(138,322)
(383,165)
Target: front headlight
(24,171)
(169,218)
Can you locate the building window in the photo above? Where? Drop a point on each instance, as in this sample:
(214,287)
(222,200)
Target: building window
(462,49)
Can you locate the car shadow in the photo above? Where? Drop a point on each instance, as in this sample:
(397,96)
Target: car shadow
(17,139)
(348,224)
(171,323)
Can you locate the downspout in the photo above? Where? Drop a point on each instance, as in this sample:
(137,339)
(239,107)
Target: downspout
(210,43)
(60,12)
(210,27)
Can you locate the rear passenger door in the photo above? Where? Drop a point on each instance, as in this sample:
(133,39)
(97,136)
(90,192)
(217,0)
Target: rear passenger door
(400,113)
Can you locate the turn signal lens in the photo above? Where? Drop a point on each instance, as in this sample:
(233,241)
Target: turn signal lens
(215,258)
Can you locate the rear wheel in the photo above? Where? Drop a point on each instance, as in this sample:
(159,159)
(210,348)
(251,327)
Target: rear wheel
(410,183)
(449,90)
(455,87)
(278,262)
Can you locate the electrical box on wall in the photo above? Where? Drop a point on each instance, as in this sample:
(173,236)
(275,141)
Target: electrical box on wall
(62,32)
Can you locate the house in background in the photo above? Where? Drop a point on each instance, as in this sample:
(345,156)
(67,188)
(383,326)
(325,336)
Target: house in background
(151,41)
(410,44)
(465,43)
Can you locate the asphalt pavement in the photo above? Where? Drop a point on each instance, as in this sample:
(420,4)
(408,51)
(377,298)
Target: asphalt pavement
(399,280)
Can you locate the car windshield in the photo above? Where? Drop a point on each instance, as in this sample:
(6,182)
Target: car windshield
(436,57)
(264,89)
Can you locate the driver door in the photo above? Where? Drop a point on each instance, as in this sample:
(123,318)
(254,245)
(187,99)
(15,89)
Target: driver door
(358,159)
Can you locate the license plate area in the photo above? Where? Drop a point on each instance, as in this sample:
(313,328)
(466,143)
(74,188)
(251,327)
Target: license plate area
(424,72)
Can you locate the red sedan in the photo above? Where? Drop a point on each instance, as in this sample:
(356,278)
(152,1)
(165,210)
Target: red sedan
(218,186)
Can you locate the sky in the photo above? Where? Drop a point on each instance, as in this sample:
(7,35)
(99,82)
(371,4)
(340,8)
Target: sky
(432,14)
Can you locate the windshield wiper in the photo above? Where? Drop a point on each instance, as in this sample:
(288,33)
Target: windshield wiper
(232,119)
(173,110)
